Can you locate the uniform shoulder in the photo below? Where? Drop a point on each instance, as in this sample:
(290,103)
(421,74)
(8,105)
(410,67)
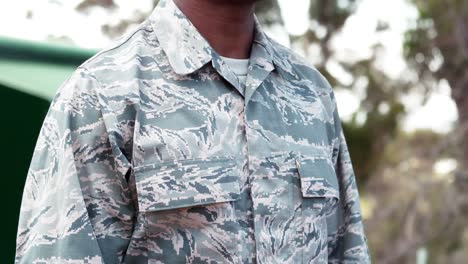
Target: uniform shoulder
(117,68)
(106,75)
(122,53)
(300,66)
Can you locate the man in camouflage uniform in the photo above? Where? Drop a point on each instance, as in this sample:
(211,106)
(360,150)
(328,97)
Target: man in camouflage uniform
(153,151)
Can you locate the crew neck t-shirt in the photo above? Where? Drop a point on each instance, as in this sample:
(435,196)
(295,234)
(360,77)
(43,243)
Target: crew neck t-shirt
(238,66)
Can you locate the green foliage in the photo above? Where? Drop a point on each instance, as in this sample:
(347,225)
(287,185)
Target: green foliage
(86,4)
(332,13)
(367,141)
(268,12)
(440,37)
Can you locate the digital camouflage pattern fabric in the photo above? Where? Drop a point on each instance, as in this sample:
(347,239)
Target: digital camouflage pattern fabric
(151,152)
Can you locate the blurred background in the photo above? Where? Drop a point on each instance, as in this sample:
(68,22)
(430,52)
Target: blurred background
(399,69)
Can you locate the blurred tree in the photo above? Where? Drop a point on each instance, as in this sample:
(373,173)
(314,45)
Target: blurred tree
(327,19)
(86,4)
(269,12)
(382,112)
(413,204)
(437,48)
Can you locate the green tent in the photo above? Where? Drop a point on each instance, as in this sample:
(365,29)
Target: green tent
(30,74)
(37,68)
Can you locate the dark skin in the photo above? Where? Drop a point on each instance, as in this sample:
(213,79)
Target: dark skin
(227,25)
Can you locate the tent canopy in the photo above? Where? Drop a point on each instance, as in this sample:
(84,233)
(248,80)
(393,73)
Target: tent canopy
(38,68)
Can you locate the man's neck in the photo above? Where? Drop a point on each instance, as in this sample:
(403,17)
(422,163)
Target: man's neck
(228,26)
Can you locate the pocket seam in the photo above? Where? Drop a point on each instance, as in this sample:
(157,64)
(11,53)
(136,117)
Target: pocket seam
(174,162)
(156,187)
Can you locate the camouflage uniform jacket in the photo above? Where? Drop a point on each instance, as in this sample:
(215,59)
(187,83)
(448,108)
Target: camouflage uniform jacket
(151,152)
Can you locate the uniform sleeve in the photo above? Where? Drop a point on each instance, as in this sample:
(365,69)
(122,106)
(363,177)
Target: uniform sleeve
(76,205)
(349,243)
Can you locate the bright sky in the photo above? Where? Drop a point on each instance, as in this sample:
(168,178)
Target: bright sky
(58,17)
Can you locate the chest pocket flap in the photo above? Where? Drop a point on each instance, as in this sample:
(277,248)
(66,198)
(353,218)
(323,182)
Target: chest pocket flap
(183,183)
(317,177)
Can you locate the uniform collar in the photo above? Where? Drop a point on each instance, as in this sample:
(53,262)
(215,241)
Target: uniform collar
(186,49)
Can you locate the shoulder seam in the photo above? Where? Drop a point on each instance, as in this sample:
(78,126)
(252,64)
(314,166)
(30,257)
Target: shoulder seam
(115,46)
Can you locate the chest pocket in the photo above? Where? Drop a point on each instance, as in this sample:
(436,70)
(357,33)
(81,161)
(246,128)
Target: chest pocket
(318,181)
(184,183)
(188,208)
(320,193)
